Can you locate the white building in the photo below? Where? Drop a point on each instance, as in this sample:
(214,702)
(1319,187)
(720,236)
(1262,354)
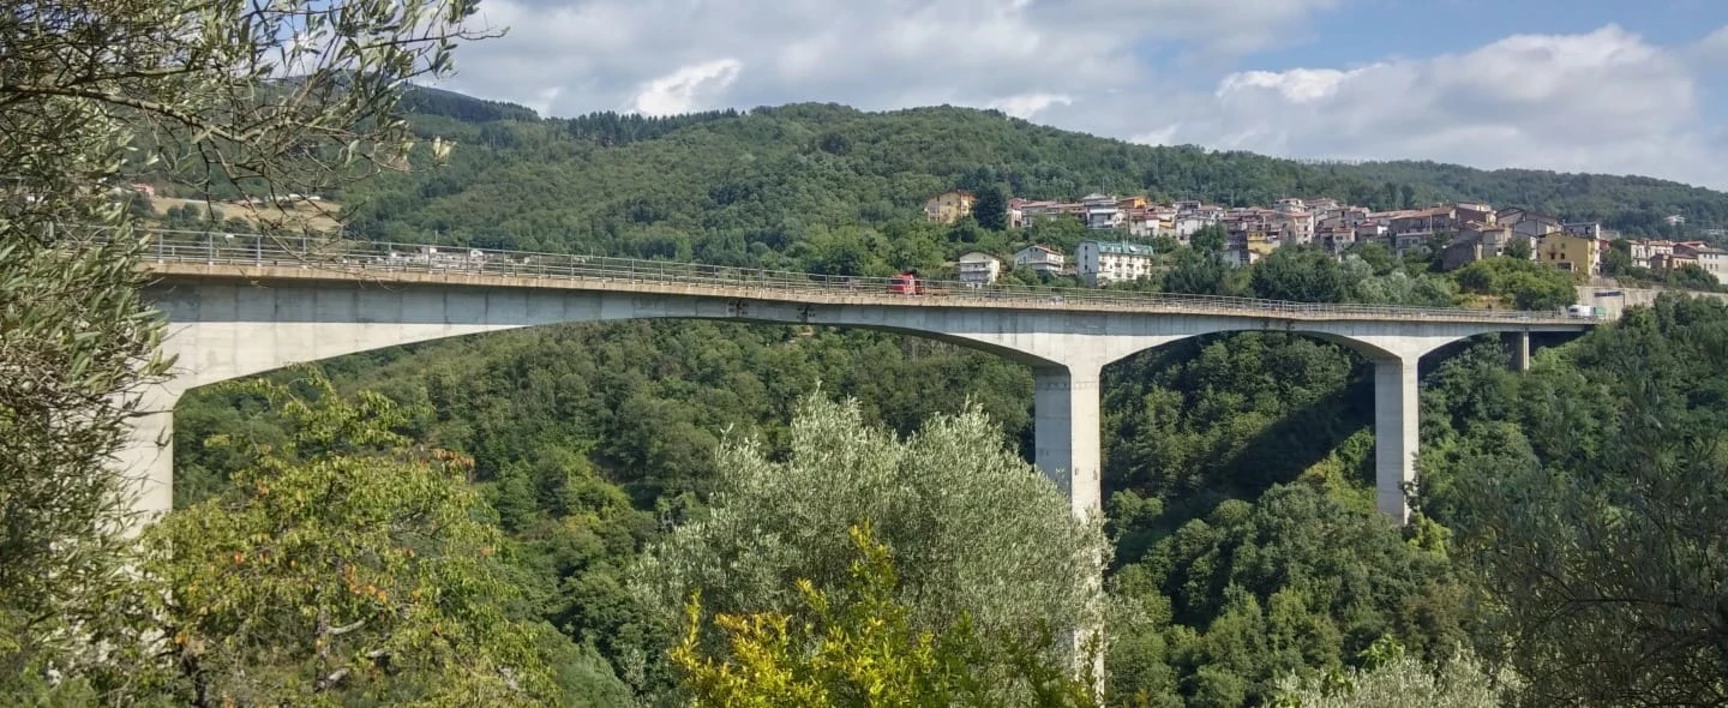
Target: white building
(1714,261)
(1643,251)
(1041,259)
(980,267)
(1104,262)
(1186,226)
(1144,223)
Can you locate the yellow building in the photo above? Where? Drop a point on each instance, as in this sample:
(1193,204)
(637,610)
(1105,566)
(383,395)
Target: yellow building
(1575,254)
(949,206)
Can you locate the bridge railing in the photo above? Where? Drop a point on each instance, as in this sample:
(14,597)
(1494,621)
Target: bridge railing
(383,258)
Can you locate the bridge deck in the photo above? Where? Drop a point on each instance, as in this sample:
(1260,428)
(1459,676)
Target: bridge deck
(264,259)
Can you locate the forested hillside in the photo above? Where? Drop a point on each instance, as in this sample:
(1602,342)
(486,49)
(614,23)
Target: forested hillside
(732,187)
(1247,548)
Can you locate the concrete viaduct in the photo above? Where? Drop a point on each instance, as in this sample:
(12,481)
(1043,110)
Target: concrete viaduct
(241,305)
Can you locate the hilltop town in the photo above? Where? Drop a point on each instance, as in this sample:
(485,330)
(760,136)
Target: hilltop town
(1458,233)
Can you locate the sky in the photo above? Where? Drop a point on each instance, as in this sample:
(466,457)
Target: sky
(1605,86)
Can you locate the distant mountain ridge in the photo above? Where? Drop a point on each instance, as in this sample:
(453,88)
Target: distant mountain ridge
(722,182)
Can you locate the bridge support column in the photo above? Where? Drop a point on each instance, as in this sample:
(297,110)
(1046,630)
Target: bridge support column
(1521,351)
(1069,450)
(1066,433)
(1396,413)
(146,462)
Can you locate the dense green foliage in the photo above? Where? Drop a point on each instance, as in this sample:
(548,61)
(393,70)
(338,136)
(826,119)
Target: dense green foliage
(978,531)
(77,344)
(1590,499)
(856,643)
(95,92)
(581,435)
(342,564)
(1526,284)
(1236,467)
(1633,205)
(1458,682)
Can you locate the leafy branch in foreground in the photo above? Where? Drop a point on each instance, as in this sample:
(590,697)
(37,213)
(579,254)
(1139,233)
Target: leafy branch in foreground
(280,98)
(858,648)
(342,564)
(1400,679)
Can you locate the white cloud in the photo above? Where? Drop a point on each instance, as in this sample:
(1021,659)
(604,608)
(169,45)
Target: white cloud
(1605,100)
(690,88)
(600,54)
(1713,48)
(1027,105)
(1295,85)
(1162,136)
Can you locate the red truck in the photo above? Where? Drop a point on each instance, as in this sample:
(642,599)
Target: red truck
(906,284)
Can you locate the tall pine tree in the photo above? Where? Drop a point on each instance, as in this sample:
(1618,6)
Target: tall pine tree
(991,208)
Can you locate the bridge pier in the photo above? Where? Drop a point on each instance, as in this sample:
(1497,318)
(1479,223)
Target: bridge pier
(1396,436)
(146,461)
(1066,435)
(1069,450)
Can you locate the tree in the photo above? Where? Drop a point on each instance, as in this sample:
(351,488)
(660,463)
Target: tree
(1300,579)
(1528,284)
(1209,240)
(1459,682)
(1691,276)
(859,647)
(1617,260)
(1300,274)
(76,346)
(1519,249)
(1395,287)
(1608,562)
(1199,273)
(991,208)
(978,531)
(95,93)
(1062,233)
(1200,268)
(342,564)
(1376,255)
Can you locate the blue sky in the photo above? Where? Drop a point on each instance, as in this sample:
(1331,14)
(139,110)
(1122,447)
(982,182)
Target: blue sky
(1583,85)
(1372,29)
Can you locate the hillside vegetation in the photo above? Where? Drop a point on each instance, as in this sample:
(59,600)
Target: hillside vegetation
(731,187)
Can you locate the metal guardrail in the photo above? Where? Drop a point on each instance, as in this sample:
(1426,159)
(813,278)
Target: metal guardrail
(385,258)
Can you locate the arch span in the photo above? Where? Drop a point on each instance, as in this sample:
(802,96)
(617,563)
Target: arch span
(223,329)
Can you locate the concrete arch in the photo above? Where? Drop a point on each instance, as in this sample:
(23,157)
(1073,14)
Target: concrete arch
(224,325)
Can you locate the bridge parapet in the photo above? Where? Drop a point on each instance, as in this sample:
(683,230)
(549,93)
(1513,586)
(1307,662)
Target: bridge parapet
(202,254)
